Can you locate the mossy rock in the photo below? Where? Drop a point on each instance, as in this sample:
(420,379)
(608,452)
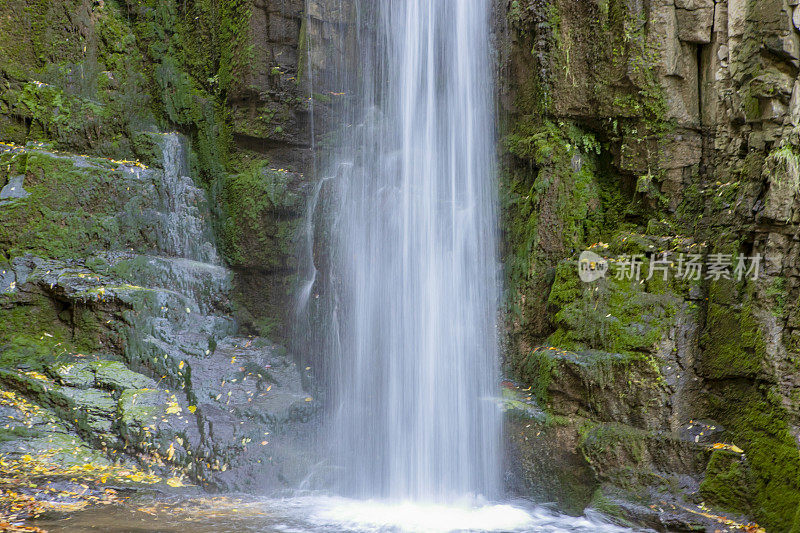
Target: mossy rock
(263,209)
(77,374)
(97,408)
(18,433)
(67,450)
(519,407)
(32,321)
(138,407)
(545,464)
(725,482)
(27,353)
(92,401)
(734,346)
(755,420)
(115,375)
(613,448)
(610,506)
(69,212)
(69,76)
(612,315)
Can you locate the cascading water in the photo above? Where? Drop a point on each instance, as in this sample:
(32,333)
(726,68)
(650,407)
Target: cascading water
(181,230)
(413,258)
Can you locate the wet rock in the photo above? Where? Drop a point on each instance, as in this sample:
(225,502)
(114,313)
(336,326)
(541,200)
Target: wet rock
(116,376)
(13,190)
(141,407)
(76,374)
(8,280)
(97,407)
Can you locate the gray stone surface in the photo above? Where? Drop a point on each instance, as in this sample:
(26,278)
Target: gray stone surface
(14,190)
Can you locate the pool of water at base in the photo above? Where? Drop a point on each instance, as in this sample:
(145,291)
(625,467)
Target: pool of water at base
(315,513)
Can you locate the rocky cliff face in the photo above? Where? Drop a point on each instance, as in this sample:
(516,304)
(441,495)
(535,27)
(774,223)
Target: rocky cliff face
(643,128)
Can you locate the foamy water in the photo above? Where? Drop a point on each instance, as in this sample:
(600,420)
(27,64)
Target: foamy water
(326,514)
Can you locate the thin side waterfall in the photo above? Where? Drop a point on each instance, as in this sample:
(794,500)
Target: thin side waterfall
(413,257)
(182,231)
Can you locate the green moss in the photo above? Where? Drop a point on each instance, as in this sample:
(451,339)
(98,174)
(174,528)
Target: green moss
(593,375)
(605,446)
(26,352)
(752,108)
(267,326)
(198,52)
(68,213)
(36,33)
(302,51)
(260,224)
(733,343)
(36,331)
(31,334)
(612,315)
(753,414)
(17,433)
(87,329)
(70,77)
(778,291)
(552,206)
(539,369)
(724,484)
(756,422)
(147,147)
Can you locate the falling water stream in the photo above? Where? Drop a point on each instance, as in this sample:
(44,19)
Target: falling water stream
(414,259)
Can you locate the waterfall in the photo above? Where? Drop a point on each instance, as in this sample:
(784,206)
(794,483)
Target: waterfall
(182,230)
(413,256)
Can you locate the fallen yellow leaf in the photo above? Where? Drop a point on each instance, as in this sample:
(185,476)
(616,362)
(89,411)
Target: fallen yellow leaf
(175,482)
